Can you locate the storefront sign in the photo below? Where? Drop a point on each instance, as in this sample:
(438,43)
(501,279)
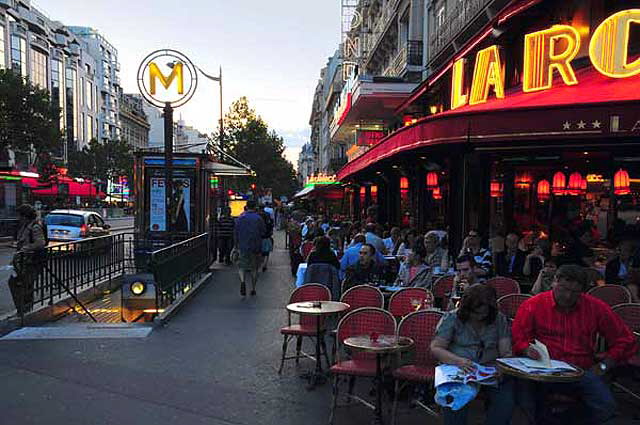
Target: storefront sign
(368,137)
(321,179)
(547,51)
(167,77)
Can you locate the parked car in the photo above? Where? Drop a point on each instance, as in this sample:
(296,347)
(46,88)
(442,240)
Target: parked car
(74,225)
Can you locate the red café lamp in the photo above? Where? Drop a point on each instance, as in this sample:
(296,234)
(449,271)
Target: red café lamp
(575,184)
(404,184)
(436,193)
(583,186)
(432,180)
(559,184)
(543,190)
(496,189)
(621,184)
(523,179)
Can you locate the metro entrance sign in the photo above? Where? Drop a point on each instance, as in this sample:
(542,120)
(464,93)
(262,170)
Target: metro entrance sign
(167,79)
(547,51)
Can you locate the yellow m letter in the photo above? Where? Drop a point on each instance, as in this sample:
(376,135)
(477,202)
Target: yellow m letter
(609,45)
(156,74)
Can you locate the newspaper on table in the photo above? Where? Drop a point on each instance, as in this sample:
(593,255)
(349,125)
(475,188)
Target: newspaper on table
(448,373)
(530,366)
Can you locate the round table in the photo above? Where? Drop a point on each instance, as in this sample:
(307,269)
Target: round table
(383,344)
(317,308)
(551,377)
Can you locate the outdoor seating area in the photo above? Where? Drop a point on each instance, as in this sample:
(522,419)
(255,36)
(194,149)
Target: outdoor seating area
(386,341)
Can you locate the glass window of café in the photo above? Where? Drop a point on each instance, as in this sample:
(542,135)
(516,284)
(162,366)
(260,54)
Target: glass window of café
(553,199)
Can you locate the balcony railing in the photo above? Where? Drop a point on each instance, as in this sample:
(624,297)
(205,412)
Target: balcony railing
(456,20)
(337,163)
(409,55)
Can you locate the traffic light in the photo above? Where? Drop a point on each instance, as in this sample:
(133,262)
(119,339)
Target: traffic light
(230,192)
(253,186)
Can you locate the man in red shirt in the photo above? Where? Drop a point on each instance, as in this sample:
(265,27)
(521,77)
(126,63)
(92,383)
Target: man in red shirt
(566,320)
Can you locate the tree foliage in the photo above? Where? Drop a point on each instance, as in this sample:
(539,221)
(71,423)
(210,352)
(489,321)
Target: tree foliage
(248,138)
(29,120)
(103,161)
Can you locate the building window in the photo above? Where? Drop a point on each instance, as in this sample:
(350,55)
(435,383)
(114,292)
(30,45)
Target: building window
(440,17)
(39,69)
(57,92)
(89,128)
(3,62)
(89,95)
(83,122)
(72,102)
(19,55)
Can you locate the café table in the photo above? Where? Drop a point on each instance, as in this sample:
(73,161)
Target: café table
(379,345)
(550,377)
(319,309)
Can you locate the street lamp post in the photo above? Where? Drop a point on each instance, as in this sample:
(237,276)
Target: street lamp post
(219,80)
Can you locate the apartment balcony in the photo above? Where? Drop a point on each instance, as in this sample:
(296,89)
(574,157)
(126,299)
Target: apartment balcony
(461,16)
(337,163)
(408,58)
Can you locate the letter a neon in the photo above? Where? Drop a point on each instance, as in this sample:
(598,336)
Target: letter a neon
(541,57)
(487,72)
(609,45)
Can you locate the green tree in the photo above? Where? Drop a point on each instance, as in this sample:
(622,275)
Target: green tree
(248,138)
(103,161)
(29,121)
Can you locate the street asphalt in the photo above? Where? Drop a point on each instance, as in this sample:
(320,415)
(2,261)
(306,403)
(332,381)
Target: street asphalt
(214,363)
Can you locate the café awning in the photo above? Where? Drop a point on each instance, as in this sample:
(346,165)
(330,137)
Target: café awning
(596,107)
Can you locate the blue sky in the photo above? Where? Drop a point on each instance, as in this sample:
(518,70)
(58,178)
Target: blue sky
(270,51)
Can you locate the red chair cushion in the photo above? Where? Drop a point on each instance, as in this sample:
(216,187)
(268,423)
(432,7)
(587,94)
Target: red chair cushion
(415,373)
(303,330)
(355,367)
(634,361)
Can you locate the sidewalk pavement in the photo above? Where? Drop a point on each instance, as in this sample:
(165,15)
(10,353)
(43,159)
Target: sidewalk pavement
(214,363)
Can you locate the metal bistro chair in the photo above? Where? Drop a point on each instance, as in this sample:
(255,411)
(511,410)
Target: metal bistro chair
(504,285)
(400,302)
(307,326)
(421,327)
(611,294)
(441,290)
(630,315)
(362,321)
(509,304)
(357,297)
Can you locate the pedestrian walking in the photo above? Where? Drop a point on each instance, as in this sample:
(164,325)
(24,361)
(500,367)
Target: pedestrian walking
(267,237)
(29,257)
(249,229)
(224,231)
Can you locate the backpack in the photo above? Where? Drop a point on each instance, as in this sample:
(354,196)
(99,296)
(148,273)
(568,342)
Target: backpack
(45,233)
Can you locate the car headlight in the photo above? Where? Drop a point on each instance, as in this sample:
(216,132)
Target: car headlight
(138,288)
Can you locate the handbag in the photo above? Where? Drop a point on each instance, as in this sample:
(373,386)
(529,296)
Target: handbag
(234,256)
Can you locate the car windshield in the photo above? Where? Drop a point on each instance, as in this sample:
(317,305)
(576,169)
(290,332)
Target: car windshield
(64,220)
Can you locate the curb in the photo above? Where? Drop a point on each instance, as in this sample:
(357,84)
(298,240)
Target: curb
(164,317)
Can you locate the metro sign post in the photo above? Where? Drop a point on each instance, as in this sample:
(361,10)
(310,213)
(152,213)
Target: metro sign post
(167,79)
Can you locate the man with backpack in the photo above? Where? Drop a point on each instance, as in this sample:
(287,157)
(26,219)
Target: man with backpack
(31,242)
(267,237)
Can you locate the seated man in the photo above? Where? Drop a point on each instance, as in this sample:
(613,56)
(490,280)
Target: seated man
(566,320)
(352,255)
(365,271)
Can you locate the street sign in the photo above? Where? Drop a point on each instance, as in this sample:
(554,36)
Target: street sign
(167,77)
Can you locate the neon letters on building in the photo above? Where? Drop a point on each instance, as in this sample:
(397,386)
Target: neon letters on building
(547,53)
